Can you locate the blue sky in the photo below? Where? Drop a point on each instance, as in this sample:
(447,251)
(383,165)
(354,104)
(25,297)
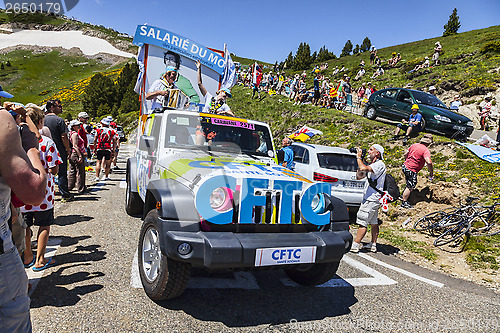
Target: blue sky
(269,30)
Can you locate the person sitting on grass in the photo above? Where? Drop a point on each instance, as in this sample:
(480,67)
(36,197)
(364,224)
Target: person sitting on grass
(378,72)
(412,125)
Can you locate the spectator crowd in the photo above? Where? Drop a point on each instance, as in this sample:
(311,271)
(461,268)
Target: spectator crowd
(43,157)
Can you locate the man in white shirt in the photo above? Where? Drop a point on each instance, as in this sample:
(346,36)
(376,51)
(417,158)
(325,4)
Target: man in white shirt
(368,211)
(456,103)
(159,88)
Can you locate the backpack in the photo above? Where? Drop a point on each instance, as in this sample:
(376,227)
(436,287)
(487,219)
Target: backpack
(104,137)
(390,186)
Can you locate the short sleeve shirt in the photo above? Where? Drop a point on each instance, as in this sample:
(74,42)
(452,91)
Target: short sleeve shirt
(288,158)
(57,128)
(158,85)
(378,174)
(50,158)
(417,117)
(455,105)
(417,153)
(209,99)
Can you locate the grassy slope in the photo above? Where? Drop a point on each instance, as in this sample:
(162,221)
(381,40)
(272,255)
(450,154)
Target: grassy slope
(471,71)
(35,78)
(347,130)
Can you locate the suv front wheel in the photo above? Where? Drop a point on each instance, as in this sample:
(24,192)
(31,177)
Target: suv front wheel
(161,277)
(313,275)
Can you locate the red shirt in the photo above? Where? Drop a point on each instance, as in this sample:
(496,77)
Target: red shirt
(417,153)
(83,134)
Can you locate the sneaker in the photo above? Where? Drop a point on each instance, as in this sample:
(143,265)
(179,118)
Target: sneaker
(371,246)
(97,179)
(355,247)
(406,205)
(106,178)
(394,138)
(405,140)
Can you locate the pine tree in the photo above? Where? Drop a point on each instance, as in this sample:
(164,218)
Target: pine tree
(347,48)
(356,49)
(289,61)
(303,57)
(451,28)
(99,95)
(324,54)
(365,46)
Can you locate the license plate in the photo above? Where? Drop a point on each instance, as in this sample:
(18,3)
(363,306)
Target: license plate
(285,256)
(348,183)
(460,128)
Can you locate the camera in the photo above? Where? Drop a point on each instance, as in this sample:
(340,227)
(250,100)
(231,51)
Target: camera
(355,151)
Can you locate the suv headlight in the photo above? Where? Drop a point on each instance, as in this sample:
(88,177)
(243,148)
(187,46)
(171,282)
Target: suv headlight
(442,118)
(318,204)
(221,199)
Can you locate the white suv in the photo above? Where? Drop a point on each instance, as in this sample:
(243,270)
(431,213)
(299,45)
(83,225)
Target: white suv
(333,165)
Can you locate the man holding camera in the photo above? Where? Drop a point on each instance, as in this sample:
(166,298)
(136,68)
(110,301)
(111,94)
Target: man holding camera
(368,211)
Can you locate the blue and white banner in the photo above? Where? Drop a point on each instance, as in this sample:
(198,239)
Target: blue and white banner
(229,77)
(146,34)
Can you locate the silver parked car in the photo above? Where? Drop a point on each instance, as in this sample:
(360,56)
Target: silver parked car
(332,165)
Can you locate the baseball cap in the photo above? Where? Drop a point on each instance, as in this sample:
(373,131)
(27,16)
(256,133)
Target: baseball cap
(74,122)
(380,149)
(414,106)
(83,115)
(170,69)
(5,94)
(105,121)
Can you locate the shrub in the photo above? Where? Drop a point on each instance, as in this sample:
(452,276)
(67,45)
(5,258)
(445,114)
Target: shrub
(493,46)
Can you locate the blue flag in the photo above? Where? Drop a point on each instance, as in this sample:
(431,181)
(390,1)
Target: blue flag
(229,73)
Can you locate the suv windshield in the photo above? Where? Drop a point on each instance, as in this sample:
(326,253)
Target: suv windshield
(342,162)
(427,99)
(219,134)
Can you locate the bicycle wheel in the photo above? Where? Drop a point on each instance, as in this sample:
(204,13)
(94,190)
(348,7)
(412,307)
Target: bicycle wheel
(427,222)
(453,234)
(485,224)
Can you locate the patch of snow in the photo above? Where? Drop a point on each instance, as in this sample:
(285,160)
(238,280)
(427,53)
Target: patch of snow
(65,39)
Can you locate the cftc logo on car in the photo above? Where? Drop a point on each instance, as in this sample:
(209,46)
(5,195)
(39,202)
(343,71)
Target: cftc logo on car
(32,6)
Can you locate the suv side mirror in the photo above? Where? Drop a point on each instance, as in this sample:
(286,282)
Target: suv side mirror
(147,143)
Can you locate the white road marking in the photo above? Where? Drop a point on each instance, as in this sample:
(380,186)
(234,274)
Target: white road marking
(377,279)
(246,280)
(135,280)
(402,271)
(123,183)
(50,251)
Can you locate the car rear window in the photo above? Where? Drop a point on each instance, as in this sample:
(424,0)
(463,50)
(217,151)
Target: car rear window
(342,162)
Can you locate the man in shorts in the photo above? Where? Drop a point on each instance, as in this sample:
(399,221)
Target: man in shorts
(368,211)
(105,143)
(412,125)
(417,155)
